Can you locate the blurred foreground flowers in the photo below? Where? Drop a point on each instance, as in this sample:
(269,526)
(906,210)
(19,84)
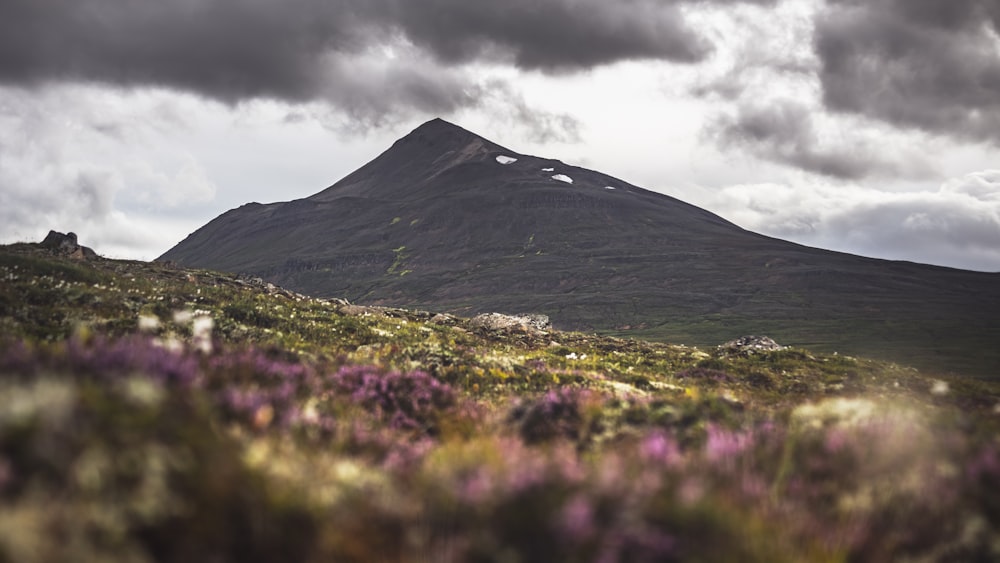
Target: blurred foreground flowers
(123,449)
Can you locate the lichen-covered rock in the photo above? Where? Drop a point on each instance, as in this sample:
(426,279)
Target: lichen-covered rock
(360,311)
(499,321)
(442,319)
(67,245)
(750,345)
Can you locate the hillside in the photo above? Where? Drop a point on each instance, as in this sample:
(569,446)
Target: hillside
(157,413)
(449,221)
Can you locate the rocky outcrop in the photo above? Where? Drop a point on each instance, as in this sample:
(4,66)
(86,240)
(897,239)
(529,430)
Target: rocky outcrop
(499,321)
(750,345)
(67,245)
(443,320)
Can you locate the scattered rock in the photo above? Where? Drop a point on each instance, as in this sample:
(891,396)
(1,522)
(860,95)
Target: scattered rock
(67,245)
(620,389)
(750,345)
(247,280)
(359,311)
(253,281)
(332,301)
(442,319)
(499,321)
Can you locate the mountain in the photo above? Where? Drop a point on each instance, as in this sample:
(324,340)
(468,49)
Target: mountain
(450,221)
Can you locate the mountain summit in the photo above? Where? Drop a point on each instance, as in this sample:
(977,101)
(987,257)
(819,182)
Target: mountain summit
(434,147)
(450,221)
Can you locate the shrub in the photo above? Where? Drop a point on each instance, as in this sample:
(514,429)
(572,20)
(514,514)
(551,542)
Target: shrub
(408,401)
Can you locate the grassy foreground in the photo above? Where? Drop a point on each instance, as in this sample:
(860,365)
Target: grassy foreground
(157,414)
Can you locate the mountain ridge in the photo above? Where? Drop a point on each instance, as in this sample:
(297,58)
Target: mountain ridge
(447,220)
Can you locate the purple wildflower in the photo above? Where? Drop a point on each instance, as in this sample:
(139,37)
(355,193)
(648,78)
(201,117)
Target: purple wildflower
(476,487)
(725,445)
(6,473)
(106,358)
(660,448)
(985,465)
(576,519)
(409,401)
(640,543)
(560,413)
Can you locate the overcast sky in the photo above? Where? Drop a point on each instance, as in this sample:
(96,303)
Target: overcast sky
(868,126)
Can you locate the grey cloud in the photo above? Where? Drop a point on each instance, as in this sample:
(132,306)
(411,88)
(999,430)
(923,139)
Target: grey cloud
(372,91)
(398,86)
(983,186)
(956,225)
(783,131)
(316,50)
(929,229)
(506,105)
(553,35)
(225,49)
(232,49)
(94,193)
(65,164)
(926,64)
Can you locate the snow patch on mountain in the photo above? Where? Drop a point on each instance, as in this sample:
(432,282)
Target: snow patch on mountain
(548,169)
(506,159)
(563,178)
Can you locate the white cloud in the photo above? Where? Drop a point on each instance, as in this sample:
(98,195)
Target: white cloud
(956,225)
(984,186)
(188,184)
(133,172)
(79,159)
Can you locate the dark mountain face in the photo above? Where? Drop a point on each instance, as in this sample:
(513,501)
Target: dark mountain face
(449,221)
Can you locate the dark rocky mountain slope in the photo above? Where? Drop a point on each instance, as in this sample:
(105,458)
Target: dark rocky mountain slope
(446,220)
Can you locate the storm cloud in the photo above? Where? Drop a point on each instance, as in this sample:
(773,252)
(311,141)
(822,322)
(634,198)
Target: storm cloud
(301,50)
(926,64)
(123,117)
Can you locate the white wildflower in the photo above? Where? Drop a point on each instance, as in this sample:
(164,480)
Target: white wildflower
(148,323)
(170,344)
(201,333)
(940,388)
(840,411)
(183,316)
(143,391)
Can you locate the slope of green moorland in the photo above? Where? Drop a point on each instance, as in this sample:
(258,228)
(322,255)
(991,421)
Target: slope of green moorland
(149,413)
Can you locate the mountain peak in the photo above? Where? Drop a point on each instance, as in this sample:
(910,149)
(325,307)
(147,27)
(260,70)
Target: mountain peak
(438,124)
(429,150)
(443,135)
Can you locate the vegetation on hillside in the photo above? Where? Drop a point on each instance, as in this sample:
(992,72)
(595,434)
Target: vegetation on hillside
(436,222)
(149,413)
